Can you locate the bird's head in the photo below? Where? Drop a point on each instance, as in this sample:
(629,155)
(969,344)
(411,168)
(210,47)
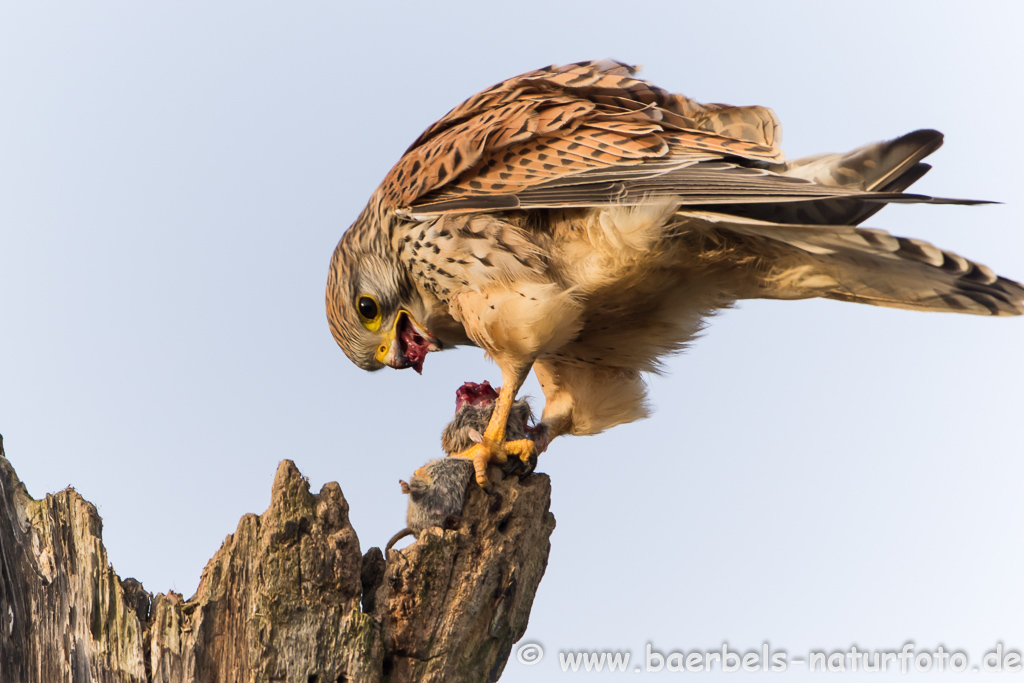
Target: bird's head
(373,309)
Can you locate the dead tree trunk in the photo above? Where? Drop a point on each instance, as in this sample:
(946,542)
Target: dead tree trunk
(288,597)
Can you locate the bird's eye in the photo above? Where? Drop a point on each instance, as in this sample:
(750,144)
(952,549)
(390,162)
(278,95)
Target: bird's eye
(369,311)
(367,307)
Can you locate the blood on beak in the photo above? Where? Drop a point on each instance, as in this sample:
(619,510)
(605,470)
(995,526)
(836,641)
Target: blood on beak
(406,344)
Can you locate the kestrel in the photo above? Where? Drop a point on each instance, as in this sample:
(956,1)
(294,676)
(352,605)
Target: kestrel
(582,222)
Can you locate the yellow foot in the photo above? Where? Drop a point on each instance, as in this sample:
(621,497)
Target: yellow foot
(485,452)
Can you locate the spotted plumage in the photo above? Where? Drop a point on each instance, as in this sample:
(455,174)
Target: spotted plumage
(582,222)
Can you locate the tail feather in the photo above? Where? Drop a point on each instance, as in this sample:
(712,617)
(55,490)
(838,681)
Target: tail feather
(868,266)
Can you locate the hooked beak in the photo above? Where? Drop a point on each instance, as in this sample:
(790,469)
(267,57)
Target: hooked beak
(406,344)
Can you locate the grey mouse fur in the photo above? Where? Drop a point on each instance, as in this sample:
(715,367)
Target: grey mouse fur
(437,491)
(458,435)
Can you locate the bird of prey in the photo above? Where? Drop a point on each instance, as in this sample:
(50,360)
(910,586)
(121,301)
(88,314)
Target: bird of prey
(582,222)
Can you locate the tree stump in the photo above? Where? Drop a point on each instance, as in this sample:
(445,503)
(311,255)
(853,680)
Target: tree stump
(288,597)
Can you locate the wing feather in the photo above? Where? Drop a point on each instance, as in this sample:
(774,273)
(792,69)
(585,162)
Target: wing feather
(591,133)
(613,118)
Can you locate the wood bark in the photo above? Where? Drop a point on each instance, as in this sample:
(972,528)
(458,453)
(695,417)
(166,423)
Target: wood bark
(288,597)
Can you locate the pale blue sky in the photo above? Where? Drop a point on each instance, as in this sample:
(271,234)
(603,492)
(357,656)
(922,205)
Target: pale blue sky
(173,180)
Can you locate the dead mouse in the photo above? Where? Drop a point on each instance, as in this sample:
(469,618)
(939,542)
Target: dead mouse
(474,404)
(437,491)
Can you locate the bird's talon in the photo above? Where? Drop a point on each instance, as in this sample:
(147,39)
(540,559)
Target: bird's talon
(487,452)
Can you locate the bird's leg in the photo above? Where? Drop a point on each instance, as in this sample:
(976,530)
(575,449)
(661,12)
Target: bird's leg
(492,446)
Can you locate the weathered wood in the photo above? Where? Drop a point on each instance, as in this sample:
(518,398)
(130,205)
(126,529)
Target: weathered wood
(62,611)
(280,600)
(479,579)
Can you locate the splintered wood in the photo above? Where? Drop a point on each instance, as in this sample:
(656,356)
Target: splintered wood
(280,601)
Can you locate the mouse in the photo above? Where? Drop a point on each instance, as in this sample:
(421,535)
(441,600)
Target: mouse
(437,493)
(474,404)
(437,490)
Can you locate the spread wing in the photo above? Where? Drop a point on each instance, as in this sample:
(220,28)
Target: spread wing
(591,133)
